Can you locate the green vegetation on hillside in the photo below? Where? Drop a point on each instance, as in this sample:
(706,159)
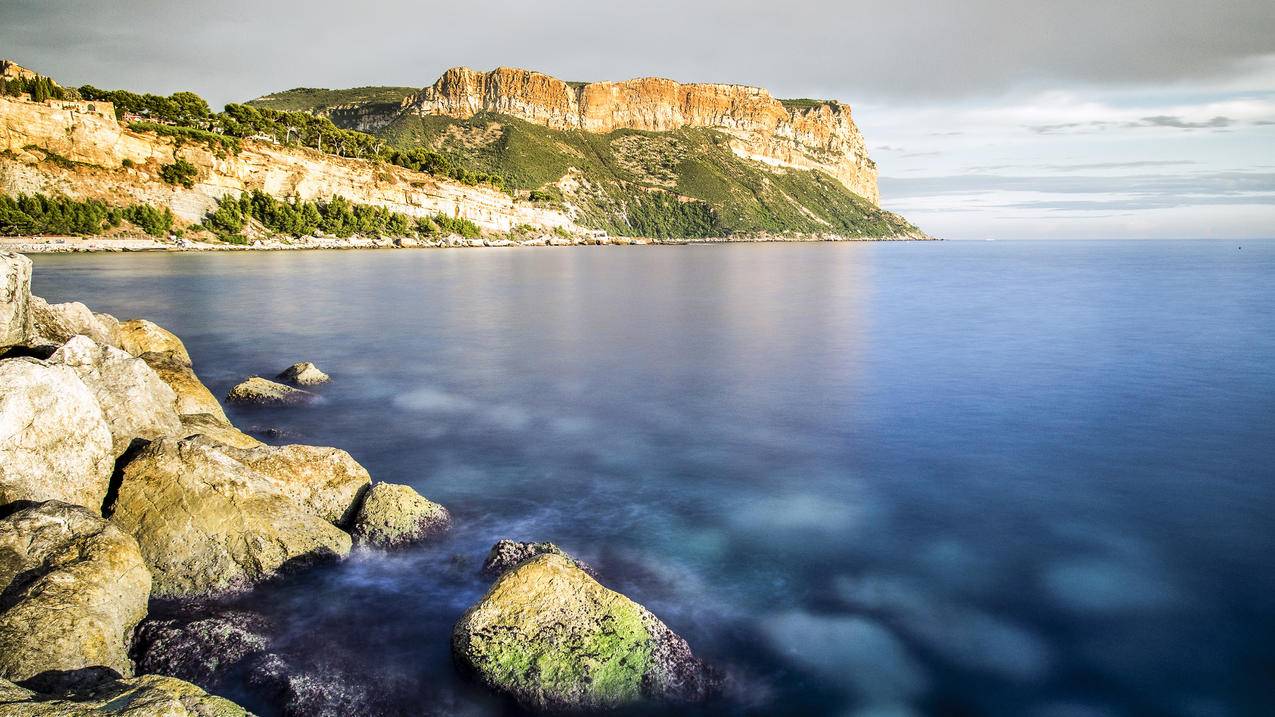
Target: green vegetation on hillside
(40,88)
(338,217)
(684,183)
(314,99)
(802,103)
(34,214)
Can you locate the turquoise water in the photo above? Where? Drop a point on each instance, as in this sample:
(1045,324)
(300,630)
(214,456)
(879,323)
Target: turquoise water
(992,478)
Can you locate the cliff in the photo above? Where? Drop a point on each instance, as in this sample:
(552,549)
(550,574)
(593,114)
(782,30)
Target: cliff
(78,149)
(804,136)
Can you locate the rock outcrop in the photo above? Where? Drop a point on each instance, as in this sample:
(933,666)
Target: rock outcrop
(59,322)
(15,299)
(192,395)
(326,482)
(554,639)
(73,587)
(262,392)
(805,135)
(54,441)
(303,374)
(209,524)
(146,696)
(394,516)
(135,401)
(139,336)
(216,428)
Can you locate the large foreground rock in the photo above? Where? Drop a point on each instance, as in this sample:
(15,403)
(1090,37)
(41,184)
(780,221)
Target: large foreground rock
(303,374)
(192,395)
(208,524)
(139,336)
(15,299)
(134,399)
(395,516)
(59,322)
(54,442)
(259,391)
(146,696)
(554,639)
(324,481)
(73,588)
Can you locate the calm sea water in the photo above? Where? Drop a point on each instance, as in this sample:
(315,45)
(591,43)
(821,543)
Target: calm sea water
(1009,478)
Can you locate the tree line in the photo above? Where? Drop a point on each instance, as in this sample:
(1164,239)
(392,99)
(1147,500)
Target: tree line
(34,214)
(337,217)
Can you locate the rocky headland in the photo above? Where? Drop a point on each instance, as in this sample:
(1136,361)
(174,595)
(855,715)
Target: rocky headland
(130,505)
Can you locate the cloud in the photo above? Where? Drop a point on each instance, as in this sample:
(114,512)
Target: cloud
(1178,122)
(1198,184)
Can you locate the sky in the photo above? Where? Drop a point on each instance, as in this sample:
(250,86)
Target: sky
(1023,119)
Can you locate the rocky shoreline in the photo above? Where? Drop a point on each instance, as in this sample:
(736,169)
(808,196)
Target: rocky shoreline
(130,504)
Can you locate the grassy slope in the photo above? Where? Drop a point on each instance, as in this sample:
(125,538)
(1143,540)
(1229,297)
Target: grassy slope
(683,183)
(311,99)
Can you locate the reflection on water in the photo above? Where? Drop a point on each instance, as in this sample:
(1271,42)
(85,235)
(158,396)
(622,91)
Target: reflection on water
(987,478)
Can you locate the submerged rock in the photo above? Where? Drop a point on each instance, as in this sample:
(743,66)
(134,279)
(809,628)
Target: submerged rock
(139,336)
(506,554)
(146,696)
(15,299)
(257,390)
(207,523)
(192,395)
(73,588)
(135,401)
(202,649)
(393,516)
(303,374)
(59,322)
(54,441)
(555,639)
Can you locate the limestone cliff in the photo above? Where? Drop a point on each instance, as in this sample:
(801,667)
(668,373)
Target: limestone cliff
(78,149)
(819,135)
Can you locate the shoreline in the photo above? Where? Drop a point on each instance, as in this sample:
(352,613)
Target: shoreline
(99,244)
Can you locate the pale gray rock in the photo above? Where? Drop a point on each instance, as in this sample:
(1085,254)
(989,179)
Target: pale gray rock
(303,374)
(55,443)
(139,336)
(59,322)
(74,587)
(260,391)
(209,524)
(136,402)
(15,299)
(393,516)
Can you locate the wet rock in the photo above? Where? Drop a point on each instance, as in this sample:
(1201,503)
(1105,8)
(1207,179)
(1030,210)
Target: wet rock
(146,696)
(15,299)
(54,441)
(59,322)
(303,374)
(506,554)
(324,481)
(203,650)
(394,516)
(139,336)
(135,401)
(259,391)
(192,395)
(207,523)
(315,692)
(72,587)
(554,639)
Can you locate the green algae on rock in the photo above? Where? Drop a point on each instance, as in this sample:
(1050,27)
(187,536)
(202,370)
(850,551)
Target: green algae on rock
(553,638)
(394,516)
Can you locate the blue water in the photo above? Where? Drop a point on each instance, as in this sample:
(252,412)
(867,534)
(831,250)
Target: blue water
(992,478)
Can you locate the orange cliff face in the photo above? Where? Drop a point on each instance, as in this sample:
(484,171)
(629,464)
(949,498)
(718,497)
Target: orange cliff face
(822,136)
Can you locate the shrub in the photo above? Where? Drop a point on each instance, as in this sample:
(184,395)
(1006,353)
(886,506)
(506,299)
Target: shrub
(180,173)
(156,222)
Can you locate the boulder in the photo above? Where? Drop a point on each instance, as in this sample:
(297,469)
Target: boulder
(73,587)
(303,374)
(506,554)
(326,482)
(209,524)
(146,696)
(206,424)
(257,390)
(59,322)
(15,299)
(139,336)
(554,639)
(135,401)
(393,516)
(54,442)
(202,649)
(192,395)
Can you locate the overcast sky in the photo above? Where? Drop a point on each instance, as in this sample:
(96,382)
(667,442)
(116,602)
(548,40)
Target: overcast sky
(1032,118)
